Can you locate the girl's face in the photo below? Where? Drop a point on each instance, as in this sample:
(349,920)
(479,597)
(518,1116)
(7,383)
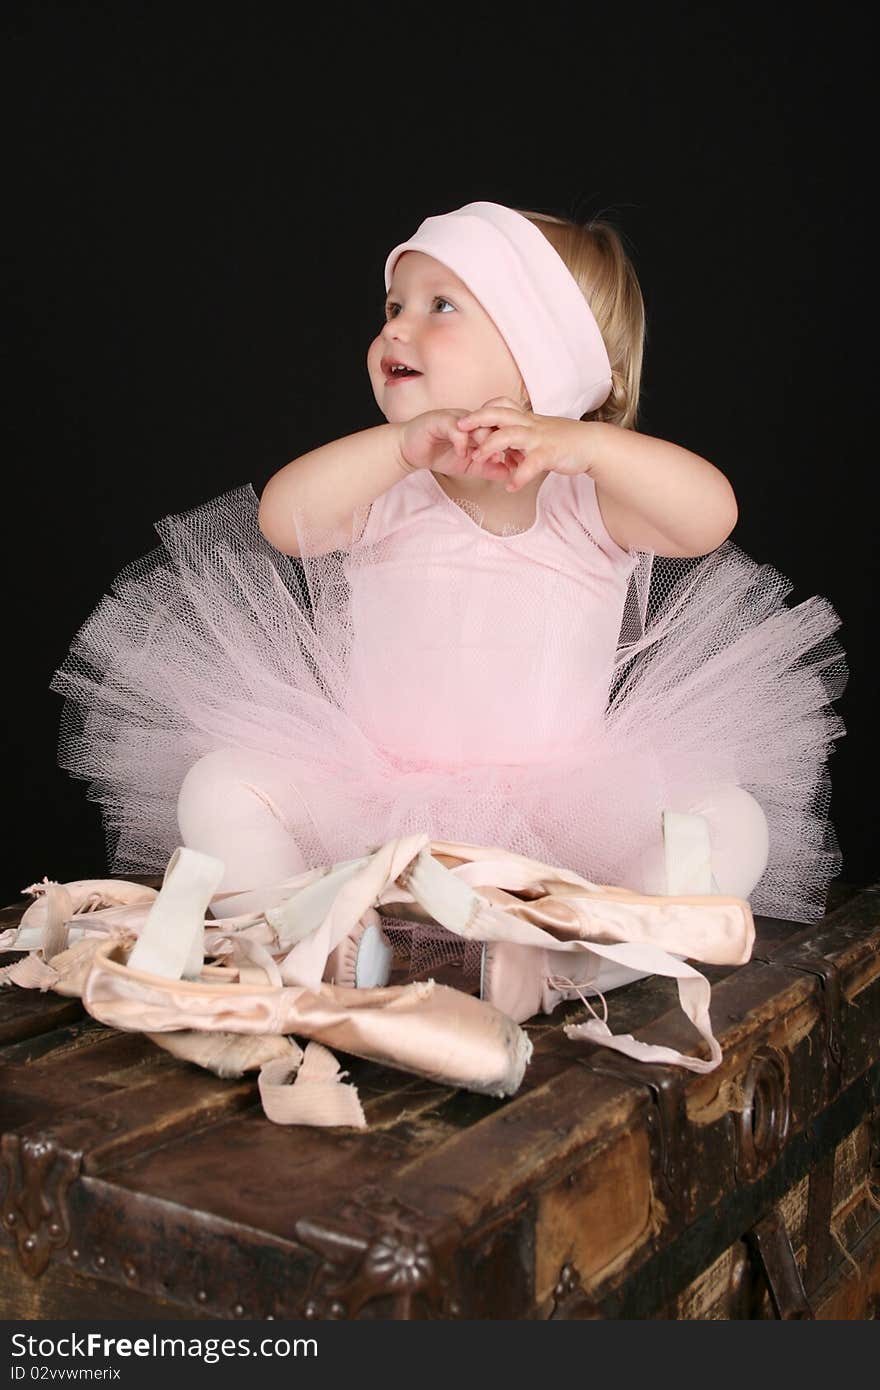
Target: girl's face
(435,325)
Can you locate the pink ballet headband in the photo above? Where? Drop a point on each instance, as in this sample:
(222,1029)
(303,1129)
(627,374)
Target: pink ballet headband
(530,295)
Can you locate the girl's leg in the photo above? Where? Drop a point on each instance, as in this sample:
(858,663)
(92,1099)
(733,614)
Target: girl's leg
(242,807)
(739,845)
(517,978)
(738,838)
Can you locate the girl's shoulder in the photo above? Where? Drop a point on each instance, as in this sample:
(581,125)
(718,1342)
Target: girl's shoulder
(576,506)
(404,502)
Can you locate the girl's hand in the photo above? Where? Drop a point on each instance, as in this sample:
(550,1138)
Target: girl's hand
(434,441)
(526,444)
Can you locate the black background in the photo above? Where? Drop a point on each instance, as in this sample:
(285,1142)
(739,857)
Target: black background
(200,203)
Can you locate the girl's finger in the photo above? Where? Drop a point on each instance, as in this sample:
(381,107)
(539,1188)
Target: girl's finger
(501,406)
(518,479)
(487,415)
(474,438)
(501,440)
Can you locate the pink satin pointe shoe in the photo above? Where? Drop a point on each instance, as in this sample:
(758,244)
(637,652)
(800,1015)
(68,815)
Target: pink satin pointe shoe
(363,959)
(523,981)
(514,979)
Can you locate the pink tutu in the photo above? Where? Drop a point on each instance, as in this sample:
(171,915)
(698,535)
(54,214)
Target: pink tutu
(529,690)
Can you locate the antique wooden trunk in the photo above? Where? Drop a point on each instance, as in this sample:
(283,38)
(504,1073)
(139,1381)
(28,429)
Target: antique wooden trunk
(135,1185)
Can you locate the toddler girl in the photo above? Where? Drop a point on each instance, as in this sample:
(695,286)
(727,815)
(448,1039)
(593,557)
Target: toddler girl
(503,617)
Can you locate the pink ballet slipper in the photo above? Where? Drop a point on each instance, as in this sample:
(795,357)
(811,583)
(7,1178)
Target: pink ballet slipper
(548,933)
(514,980)
(523,981)
(86,895)
(362,960)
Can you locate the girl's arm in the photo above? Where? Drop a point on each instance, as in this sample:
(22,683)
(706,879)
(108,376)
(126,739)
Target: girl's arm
(654,495)
(328,485)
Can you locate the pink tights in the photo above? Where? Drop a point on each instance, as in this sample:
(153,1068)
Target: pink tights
(237,805)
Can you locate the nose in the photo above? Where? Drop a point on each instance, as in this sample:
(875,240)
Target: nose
(399,325)
(392,339)
(395,330)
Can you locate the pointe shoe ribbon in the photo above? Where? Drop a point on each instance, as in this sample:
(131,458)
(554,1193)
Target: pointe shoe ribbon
(687,851)
(172,939)
(312,915)
(437,1032)
(564,912)
(481,893)
(560,910)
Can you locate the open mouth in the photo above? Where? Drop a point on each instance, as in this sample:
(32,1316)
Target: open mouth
(393,369)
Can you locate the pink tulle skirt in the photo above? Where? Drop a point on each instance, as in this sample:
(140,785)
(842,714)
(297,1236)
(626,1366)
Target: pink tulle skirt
(217,640)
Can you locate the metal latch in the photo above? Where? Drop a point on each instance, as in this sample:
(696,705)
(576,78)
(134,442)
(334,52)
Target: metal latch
(810,963)
(769,1243)
(666,1085)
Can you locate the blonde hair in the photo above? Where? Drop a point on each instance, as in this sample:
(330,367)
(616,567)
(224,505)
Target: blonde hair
(595,255)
